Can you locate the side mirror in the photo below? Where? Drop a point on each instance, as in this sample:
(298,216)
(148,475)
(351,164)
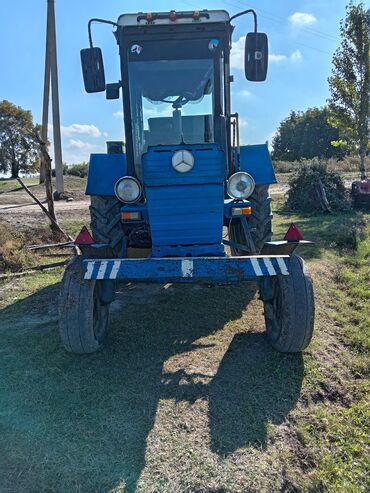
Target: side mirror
(112,90)
(93,69)
(256,57)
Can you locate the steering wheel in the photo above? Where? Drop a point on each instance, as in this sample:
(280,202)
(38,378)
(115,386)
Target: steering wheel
(180,101)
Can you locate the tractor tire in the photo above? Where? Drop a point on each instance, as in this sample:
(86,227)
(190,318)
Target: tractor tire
(260,222)
(106,222)
(261,219)
(83,318)
(289,308)
(236,234)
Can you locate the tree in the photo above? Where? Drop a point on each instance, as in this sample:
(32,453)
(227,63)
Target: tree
(350,82)
(305,135)
(18,145)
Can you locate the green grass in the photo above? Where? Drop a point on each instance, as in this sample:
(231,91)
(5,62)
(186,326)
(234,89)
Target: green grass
(187,395)
(355,277)
(9,185)
(71,184)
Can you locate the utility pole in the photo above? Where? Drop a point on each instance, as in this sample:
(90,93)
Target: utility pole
(51,74)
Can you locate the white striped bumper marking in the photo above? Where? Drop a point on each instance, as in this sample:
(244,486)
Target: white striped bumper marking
(115,269)
(89,270)
(269,266)
(102,269)
(282,266)
(187,268)
(256,267)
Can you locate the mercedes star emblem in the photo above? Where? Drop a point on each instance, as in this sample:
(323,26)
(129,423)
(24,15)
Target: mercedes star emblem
(183,161)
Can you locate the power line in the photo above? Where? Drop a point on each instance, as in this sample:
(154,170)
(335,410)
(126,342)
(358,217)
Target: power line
(279,20)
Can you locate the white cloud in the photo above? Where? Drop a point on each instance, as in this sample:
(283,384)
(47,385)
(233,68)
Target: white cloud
(244,94)
(296,56)
(79,129)
(237,54)
(242,122)
(118,114)
(160,110)
(76,144)
(276,58)
(302,19)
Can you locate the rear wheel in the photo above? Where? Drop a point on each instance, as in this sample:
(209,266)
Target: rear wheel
(289,308)
(83,318)
(260,222)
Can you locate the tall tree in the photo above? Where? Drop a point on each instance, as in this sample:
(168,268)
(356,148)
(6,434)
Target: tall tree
(350,82)
(18,146)
(305,135)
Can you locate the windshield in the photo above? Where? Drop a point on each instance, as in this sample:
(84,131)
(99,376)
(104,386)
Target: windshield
(172,102)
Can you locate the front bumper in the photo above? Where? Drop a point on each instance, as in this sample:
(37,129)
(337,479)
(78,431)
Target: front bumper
(188,269)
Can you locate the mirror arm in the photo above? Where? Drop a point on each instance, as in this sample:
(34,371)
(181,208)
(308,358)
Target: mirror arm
(101,21)
(249,11)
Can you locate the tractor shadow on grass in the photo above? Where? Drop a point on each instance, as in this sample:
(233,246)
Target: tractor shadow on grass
(81,423)
(254,386)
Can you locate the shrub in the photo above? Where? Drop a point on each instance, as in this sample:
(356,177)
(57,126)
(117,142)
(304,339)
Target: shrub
(77,170)
(65,169)
(284,166)
(302,195)
(350,233)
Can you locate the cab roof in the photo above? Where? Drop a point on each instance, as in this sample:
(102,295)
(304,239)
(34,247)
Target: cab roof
(173,18)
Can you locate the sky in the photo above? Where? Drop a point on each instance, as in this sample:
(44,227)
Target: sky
(303,34)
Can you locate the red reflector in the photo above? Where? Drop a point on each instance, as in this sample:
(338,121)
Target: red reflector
(84,237)
(293,234)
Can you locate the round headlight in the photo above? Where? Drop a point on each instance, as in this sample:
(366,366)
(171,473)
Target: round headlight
(240,185)
(128,189)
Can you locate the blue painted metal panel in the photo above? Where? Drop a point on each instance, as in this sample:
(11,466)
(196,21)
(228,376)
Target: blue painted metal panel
(104,171)
(209,165)
(185,215)
(185,269)
(185,208)
(188,250)
(256,160)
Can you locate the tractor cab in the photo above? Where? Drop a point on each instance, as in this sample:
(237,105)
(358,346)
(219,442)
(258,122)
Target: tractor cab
(174,92)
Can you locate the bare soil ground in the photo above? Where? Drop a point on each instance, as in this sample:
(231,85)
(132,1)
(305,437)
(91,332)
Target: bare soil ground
(17,207)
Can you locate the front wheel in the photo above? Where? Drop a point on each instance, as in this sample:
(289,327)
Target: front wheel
(83,318)
(289,308)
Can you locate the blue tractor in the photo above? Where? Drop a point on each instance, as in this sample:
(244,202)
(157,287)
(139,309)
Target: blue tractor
(165,204)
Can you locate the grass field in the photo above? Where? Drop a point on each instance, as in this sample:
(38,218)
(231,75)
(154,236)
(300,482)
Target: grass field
(187,395)
(12,191)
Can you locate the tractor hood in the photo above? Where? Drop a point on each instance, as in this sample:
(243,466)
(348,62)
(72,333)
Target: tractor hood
(184,188)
